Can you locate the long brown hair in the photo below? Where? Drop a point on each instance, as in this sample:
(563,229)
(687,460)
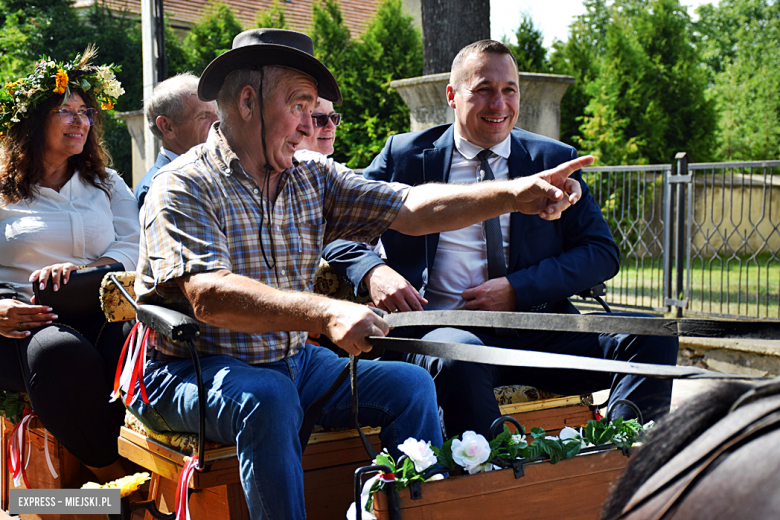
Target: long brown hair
(23,149)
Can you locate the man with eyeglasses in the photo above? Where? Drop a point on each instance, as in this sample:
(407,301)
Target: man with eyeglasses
(179,119)
(325,122)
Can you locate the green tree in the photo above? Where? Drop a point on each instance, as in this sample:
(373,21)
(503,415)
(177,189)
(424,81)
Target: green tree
(391,48)
(650,84)
(211,36)
(331,37)
(271,18)
(739,42)
(29,29)
(529,50)
(578,57)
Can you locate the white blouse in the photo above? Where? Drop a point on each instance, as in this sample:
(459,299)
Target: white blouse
(79,224)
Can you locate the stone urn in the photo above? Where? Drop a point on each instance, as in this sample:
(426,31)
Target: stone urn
(540,101)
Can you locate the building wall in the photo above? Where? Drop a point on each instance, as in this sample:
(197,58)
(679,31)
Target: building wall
(298,13)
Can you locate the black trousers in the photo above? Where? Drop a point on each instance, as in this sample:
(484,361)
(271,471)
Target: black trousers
(68,372)
(465,390)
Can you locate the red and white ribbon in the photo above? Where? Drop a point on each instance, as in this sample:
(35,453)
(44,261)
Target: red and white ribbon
(182,487)
(16,447)
(46,451)
(131,367)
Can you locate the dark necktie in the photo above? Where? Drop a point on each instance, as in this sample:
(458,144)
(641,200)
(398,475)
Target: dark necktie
(495,241)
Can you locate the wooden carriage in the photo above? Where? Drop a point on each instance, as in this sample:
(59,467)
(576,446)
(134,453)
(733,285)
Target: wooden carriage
(331,458)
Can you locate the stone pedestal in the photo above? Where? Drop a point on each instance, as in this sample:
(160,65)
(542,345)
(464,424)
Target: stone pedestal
(540,101)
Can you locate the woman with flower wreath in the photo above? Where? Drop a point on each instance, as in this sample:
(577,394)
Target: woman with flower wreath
(62,209)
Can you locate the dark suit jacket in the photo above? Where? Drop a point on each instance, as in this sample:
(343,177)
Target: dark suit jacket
(143,187)
(548,261)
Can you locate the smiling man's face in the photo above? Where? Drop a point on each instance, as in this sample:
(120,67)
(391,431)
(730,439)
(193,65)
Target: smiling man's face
(323,137)
(486,98)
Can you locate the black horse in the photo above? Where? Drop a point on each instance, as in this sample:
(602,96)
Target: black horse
(717,456)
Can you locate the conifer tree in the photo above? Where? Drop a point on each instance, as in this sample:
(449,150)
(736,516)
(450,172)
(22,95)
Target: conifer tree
(272,18)
(529,50)
(649,80)
(391,48)
(211,36)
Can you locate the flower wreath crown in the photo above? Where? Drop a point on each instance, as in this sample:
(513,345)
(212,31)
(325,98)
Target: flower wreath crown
(49,78)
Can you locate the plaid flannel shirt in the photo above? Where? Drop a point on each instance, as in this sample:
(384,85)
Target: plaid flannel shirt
(203,213)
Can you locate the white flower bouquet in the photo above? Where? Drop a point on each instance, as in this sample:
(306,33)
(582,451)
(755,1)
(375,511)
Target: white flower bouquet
(473,454)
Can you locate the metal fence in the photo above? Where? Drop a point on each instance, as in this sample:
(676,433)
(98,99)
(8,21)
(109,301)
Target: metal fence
(695,238)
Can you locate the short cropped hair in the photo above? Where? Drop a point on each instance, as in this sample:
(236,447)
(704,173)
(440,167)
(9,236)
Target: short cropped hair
(482,46)
(168,99)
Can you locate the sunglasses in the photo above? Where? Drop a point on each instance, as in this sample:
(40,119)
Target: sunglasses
(321,120)
(67,116)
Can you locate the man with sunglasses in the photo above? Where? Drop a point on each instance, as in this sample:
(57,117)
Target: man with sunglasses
(325,121)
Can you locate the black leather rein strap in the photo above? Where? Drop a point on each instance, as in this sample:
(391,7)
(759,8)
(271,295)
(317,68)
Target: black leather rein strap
(531,359)
(597,323)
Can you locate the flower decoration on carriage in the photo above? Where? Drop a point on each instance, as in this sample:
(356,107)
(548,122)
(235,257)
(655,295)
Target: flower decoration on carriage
(473,454)
(49,78)
(126,485)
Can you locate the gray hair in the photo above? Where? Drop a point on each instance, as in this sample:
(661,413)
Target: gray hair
(234,82)
(169,100)
(482,46)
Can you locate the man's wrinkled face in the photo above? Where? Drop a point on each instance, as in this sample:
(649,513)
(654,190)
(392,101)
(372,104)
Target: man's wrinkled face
(193,128)
(486,99)
(288,109)
(324,136)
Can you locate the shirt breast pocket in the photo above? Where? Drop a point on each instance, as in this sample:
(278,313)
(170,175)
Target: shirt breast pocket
(307,242)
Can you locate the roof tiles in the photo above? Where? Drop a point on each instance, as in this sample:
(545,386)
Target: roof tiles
(298,13)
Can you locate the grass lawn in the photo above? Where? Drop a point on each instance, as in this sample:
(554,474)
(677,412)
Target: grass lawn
(736,286)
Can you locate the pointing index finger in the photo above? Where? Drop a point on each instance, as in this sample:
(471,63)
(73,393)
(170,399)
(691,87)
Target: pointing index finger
(572,166)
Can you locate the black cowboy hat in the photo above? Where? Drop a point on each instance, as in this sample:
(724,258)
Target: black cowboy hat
(259,47)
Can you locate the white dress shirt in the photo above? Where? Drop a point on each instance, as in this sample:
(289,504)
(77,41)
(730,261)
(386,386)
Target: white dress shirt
(461,256)
(78,224)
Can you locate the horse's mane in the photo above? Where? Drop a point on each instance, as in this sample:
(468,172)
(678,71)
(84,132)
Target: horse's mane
(672,433)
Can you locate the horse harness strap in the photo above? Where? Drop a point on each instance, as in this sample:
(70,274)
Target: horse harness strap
(595,323)
(661,494)
(533,359)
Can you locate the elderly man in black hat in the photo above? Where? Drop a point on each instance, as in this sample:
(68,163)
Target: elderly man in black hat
(233,233)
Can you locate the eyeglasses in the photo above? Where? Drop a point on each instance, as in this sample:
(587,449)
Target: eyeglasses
(321,120)
(67,116)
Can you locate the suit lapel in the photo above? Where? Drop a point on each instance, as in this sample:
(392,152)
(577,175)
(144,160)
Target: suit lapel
(519,163)
(436,168)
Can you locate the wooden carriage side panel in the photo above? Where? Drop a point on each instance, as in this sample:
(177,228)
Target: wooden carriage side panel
(70,471)
(573,489)
(219,502)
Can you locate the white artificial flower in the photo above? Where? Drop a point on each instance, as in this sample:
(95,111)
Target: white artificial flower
(419,452)
(383,452)
(550,438)
(481,468)
(649,425)
(472,451)
(367,515)
(517,438)
(437,476)
(568,433)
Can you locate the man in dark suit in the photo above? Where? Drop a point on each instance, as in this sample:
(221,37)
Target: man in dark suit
(533,265)
(177,118)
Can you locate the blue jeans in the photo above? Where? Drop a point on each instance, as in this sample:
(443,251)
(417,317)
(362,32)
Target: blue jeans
(260,410)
